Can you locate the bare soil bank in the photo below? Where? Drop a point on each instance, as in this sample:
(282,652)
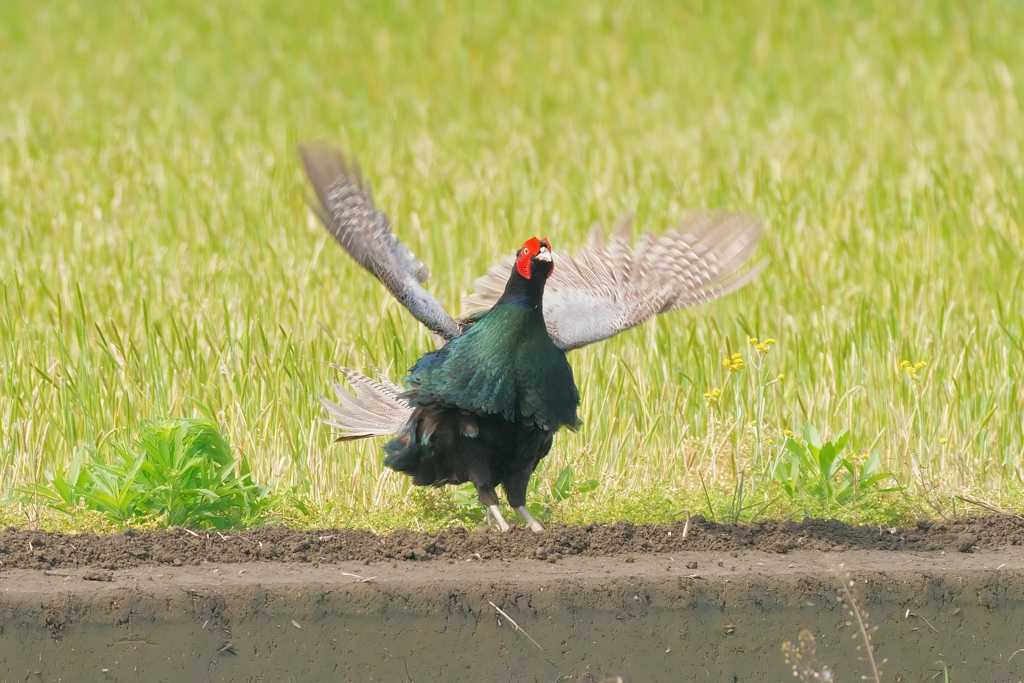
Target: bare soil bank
(678,616)
(27,549)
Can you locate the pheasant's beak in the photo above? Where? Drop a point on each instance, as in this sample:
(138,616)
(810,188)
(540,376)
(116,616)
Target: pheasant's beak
(544,255)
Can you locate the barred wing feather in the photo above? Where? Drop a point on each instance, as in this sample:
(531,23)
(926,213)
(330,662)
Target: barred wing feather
(347,211)
(608,287)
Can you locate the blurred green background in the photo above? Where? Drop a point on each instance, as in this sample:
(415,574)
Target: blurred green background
(159,258)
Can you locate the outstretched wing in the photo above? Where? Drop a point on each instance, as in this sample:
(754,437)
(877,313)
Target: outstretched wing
(374,409)
(607,287)
(347,211)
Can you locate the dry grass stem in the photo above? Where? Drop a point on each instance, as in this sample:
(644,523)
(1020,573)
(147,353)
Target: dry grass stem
(515,625)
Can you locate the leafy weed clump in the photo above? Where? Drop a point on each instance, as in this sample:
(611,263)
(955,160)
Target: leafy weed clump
(826,474)
(179,472)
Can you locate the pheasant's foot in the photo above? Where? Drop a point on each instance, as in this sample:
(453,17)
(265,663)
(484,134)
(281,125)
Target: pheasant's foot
(530,521)
(495,513)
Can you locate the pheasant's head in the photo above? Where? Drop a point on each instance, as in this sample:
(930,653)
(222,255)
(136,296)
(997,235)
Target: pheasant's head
(534,259)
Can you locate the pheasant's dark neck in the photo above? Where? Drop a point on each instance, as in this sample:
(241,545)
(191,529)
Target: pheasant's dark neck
(524,293)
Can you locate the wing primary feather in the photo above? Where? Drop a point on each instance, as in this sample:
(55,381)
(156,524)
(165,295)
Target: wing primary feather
(345,206)
(608,287)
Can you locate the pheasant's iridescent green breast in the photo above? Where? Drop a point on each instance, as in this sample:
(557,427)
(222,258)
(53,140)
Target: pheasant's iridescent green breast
(506,364)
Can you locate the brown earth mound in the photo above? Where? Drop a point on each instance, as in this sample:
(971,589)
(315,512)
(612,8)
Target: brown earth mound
(32,549)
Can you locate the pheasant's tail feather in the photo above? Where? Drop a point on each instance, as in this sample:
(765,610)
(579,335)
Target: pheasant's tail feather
(371,409)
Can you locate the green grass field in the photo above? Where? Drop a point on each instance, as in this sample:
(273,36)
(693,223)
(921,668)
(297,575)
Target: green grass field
(159,258)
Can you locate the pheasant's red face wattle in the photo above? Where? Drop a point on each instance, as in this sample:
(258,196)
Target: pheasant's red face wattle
(530,250)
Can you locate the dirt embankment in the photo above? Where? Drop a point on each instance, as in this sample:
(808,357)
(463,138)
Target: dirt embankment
(28,549)
(680,616)
(687,602)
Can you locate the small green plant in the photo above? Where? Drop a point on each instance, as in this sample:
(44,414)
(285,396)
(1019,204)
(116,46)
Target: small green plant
(444,507)
(825,474)
(179,472)
(564,488)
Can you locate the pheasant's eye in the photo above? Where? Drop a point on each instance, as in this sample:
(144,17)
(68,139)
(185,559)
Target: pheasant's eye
(526,251)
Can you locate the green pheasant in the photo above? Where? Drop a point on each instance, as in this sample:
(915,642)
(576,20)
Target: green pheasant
(484,408)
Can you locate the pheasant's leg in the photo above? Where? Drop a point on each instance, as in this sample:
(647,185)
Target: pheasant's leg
(530,448)
(489,499)
(502,524)
(530,521)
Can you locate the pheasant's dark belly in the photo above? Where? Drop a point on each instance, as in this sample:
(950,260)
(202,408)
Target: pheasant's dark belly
(457,458)
(443,445)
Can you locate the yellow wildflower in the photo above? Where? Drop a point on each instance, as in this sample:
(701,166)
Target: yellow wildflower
(734,363)
(912,369)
